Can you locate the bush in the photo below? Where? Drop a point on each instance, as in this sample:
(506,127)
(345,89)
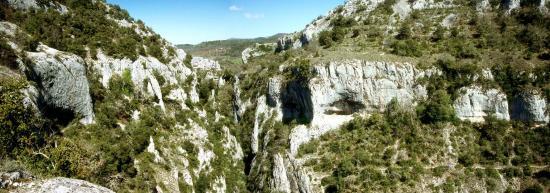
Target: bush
(122,85)
(20,128)
(461,48)
(188,60)
(325,39)
(205,88)
(406,48)
(404,32)
(343,22)
(438,34)
(438,108)
(300,71)
(534,37)
(7,55)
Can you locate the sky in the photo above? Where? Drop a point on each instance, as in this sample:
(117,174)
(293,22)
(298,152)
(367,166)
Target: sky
(195,21)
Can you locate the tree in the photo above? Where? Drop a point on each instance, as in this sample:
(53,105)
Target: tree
(325,39)
(20,128)
(438,34)
(438,108)
(187,61)
(404,32)
(406,48)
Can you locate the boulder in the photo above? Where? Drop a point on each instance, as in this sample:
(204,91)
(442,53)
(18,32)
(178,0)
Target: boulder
(62,83)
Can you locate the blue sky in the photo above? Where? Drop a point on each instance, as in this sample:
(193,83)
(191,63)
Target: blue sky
(195,21)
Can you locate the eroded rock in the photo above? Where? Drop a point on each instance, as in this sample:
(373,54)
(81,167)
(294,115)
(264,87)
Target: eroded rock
(62,83)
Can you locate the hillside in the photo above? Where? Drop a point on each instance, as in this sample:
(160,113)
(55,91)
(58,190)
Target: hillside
(375,96)
(227,52)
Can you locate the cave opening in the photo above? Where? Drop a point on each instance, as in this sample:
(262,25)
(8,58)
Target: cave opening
(296,103)
(344,107)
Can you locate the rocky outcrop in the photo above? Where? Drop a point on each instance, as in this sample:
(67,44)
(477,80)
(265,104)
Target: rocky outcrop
(339,91)
(62,82)
(508,5)
(62,185)
(477,103)
(146,73)
(285,43)
(33,4)
(257,50)
(205,64)
(364,85)
(14,179)
(529,106)
(24,4)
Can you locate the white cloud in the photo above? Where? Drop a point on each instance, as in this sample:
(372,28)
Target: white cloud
(253,15)
(235,8)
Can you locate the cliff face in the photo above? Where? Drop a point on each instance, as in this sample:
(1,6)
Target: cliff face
(344,89)
(206,131)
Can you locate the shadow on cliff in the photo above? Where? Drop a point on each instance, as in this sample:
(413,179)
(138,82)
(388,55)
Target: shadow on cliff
(58,116)
(296,103)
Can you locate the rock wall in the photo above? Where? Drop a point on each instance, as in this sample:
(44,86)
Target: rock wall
(530,106)
(62,82)
(476,103)
(63,185)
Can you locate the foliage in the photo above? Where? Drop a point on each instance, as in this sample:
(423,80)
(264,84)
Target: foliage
(438,108)
(187,61)
(406,48)
(386,6)
(325,38)
(21,129)
(84,26)
(7,55)
(205,88)
(394,150)
(438,34)
(301,71)
(404,32)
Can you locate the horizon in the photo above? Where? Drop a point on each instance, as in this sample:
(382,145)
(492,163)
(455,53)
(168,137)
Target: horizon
(205,21)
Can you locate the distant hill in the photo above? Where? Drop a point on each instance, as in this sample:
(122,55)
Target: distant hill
(228,51)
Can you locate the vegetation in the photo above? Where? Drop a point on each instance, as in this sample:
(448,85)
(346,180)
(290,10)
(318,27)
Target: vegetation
(229,52)
(85,26)
(7,55)
(395,151)
(22,132)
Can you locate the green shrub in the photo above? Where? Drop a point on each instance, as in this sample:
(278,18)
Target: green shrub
(300,71)
(325,39)
(122,85)
(205,89)
(343,22)
(438,108)
(404,32)
(406,48)
(187,61)
(7,55)
(438,34)
(386,6)
(20,128)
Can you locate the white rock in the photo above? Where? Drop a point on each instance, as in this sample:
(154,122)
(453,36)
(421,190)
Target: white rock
(279,182)
(8,28)
(530,106)
(205,64)
(402,8)
(151,149)
(63,185)
(63,82)
(476,103)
